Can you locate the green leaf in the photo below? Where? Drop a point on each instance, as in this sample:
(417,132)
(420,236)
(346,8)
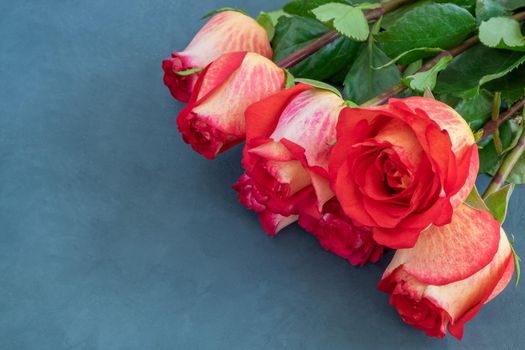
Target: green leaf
(478,135)
(339,77)
(363,82)
(423,49)
(490,77)
(319,85)
(290,79)
(268,20)
(224,9)
(517,261)
(489,160)
(475,67)
(517,176)
(275,15)
(347,20)
(513,4)
(367,6)
(469,5)
(427,80)
(510,132)
(351,104)
(293,33)
(486,9)
(503,33)
(190,71)
(431,25)
(512,85)
(498,202)
(392,17)
(412,68)
(476,110)
(304,8)
(475,201)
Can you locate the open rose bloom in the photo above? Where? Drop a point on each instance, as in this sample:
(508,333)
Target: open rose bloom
(289,139)
(450,273)
(228,31)
(213,121)
(402,167)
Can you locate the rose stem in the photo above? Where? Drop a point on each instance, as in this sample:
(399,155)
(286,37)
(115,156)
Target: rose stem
(331,36)
(492,125)
(399,88)
(506,167)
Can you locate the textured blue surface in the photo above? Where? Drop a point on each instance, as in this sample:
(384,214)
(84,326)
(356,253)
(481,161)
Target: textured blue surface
(115,235)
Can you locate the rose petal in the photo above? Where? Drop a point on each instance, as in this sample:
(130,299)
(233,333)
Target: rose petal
(453,252)
(224,105)
(228,31)
(351,199)
(397,238)
(467,176)
(309,120)
(262,117)
(216,74)
(273,223)
(475,291)
(445,116)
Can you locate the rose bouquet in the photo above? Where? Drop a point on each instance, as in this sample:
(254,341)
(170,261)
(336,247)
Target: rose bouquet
(433,95)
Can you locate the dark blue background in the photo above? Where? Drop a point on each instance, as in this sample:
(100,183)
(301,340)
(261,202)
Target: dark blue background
(115,235)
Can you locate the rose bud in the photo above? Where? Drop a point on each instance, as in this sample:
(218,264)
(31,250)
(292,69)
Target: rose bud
(213,121)
(450,273)
(338,234)
(228,31)
(401,167)
(288,138)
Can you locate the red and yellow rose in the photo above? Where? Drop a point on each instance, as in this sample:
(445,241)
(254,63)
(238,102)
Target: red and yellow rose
(402,167)
(451,272)
(227,31)
(213,121)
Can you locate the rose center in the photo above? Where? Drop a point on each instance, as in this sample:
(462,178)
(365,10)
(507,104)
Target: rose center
(396,179)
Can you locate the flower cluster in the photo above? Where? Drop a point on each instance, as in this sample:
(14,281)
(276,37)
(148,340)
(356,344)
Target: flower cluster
(361,180)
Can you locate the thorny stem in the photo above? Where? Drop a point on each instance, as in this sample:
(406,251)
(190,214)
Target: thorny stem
(492,125)
(331,36)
